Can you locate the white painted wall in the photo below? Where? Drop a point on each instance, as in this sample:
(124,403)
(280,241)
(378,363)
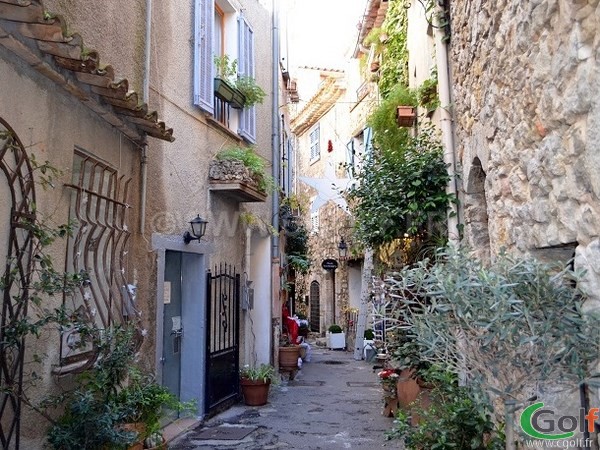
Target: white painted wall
(257,322)
(354,286)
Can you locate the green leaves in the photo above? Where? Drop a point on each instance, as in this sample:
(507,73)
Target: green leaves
(400,189)
(507,325)
(456,418)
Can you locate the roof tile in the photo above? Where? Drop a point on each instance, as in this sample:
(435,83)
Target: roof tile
(32,35)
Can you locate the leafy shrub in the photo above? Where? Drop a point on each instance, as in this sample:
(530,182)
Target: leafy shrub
(400,191)
(335,329)
(457,419)
(107,396)
(255,164)
(387,135)
(507,326)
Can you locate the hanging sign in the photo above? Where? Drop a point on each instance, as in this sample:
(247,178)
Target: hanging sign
(329,264)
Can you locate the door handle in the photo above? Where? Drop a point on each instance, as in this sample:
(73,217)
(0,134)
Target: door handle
(177,333)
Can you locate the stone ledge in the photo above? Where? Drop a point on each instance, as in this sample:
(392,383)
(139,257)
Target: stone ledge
(237,190)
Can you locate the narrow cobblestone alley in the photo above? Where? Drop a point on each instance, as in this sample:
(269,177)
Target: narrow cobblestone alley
(334,402)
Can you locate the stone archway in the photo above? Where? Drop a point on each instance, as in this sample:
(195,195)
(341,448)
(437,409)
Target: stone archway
(17,170)
(476,211)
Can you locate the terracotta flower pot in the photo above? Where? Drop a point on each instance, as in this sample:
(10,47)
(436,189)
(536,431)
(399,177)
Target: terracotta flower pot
(255,392)
(288,357)
(406,116)
(140,429)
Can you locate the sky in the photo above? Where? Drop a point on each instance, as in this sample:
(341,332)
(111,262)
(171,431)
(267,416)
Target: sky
(319,32)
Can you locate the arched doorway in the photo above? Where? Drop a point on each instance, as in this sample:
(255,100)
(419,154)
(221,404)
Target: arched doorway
(17,244)
(315,306)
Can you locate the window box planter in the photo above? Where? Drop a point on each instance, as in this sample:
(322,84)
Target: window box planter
(228,93)
(406,116)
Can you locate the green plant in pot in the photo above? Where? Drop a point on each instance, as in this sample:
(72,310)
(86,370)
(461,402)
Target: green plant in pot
(255,165)
(108,398)
(145,402)
(335,329)
(336,338)
(255,382)
(244,90)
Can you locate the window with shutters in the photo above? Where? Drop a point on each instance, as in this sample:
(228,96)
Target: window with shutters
(315,144)
(222,30)
(246,69)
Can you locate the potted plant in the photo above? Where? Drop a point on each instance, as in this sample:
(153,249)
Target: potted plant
(224,83)
(369,350)
(113,405)
(144,402)
(288,354)
(336,338)
(241,164)
(255,382)
(239,91)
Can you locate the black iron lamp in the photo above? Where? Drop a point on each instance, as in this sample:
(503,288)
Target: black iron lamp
(343,250)
(198,229)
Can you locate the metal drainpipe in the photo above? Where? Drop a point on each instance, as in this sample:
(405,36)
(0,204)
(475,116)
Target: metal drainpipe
(446,123)
(275,127)
(146,93)
(275,170)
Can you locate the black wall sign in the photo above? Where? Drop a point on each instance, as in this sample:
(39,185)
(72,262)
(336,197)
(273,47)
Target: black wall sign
(329,264)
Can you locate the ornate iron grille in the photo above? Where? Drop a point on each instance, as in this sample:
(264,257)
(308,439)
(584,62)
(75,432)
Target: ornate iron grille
(99,248)
(223,317)
(16,167)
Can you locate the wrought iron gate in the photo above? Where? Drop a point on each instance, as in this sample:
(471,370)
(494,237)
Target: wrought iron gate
(222,339)
(15,281)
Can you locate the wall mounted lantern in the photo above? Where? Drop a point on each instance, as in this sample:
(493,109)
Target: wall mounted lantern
(343,250)
(198,229)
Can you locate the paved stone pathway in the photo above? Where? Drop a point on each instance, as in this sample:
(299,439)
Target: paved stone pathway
(333,403)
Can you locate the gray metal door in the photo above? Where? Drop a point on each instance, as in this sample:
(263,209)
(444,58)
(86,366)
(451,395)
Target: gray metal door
(172,323)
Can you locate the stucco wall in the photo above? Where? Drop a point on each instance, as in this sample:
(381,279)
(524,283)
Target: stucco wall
(51,124)
(178,172)
(116,29)
(525,77)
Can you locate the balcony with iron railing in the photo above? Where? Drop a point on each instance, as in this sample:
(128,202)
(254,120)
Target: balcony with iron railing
(221,114)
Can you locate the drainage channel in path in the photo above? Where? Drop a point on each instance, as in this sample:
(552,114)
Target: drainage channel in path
(333,362)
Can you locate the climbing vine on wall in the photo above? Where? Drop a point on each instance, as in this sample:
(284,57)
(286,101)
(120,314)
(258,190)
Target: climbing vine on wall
(394,67)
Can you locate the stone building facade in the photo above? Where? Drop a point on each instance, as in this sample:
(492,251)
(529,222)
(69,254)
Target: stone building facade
(526,113)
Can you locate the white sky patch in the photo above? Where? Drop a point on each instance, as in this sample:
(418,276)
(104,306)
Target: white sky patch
(319,32)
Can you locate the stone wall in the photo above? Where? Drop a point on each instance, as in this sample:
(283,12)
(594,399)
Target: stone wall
(527,119)
(525,82)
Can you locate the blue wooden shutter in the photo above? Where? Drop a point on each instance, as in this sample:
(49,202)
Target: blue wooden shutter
(246,68)
(368,141)
(203,54)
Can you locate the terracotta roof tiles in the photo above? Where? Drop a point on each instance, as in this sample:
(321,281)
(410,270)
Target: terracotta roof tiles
(33,35)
